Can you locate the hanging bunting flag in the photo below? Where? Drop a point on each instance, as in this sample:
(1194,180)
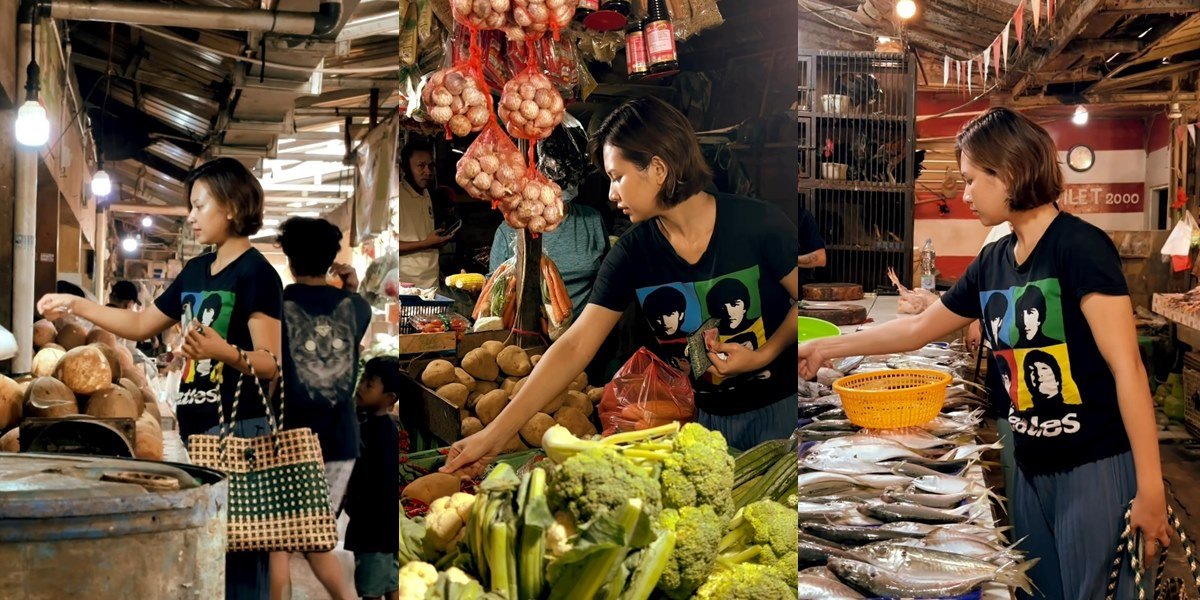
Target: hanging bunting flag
(996,56)
(970,63)
(987,59)
(958,75)
(1049,12)
(946,71)
(1037,14)
(1019,20)
(1004,36)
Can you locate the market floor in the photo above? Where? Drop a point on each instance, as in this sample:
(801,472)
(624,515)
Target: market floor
(305,585)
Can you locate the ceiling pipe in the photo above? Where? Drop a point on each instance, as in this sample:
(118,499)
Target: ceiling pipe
(318,24)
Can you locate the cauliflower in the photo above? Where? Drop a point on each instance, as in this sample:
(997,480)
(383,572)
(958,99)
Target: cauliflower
(746,581)
(558,536)
(699,470)
(598,480)
(416,580)
(446,519)
(698,533)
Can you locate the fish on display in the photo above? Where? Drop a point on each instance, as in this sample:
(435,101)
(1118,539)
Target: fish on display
(930,500)
(817,508)
(969,451)
(818,551)
(923,564)
(950,484)
(813,587)
(911,470)
(864,449)
(964,546)
(852,535)
(945,467)
(928,581)
(913,438)
(841,464)
(808,411)
(894,513)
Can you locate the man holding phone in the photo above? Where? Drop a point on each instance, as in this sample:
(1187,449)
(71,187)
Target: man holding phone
(419,239)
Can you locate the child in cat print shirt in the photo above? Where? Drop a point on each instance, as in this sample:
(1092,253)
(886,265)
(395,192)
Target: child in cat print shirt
(322,329)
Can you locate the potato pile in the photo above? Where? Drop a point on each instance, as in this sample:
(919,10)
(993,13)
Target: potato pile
(537,16)
(458,99)
(530,106)
(492,169)
(481,14)
(491,375)
(97,379)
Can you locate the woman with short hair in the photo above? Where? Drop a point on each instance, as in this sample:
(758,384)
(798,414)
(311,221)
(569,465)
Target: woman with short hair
(690,240)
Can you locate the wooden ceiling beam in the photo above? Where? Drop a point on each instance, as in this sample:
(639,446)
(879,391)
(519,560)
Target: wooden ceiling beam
(1150,7)
(1148,49)
(1123,98)
(1047,43)
(1103,48)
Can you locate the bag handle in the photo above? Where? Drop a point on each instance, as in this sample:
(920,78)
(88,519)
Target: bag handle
(1133,545)
(225,434)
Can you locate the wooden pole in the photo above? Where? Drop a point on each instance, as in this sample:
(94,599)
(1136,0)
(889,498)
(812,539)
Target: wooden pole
(527,327)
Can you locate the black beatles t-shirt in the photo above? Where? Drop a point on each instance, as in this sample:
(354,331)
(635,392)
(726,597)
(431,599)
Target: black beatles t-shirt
(1063,399)
(809,235)
(322,327)
(736,280)
(223,302)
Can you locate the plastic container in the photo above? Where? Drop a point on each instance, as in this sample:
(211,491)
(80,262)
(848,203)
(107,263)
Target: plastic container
(809,328)
(893,399)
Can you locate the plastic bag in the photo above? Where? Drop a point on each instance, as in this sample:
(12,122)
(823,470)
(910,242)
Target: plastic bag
(530,106)
(556,302)
(499,295)
(1178,246)
(646,392)
(563,157)
(492,169)
(439,323)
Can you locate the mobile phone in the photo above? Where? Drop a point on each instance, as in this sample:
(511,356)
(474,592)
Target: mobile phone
(452,228)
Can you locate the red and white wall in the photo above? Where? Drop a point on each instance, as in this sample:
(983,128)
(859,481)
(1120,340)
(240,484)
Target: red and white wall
(1131,160)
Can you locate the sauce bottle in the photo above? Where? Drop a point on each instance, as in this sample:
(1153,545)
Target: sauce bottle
(618,6)
(659,34)
(585,8)
(635,49)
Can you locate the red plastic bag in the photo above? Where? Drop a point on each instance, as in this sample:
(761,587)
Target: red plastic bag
(530,106)
(492,169)
(646,392)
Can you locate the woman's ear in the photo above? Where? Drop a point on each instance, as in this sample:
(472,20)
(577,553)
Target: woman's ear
(658,171)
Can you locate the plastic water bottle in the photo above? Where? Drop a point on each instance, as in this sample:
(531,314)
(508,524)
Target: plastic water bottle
(928,281)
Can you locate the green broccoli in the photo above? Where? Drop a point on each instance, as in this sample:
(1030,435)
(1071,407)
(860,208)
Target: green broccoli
(698,471)
(788,568)
(746,581)
(600,479)
(764,532)
(698,533)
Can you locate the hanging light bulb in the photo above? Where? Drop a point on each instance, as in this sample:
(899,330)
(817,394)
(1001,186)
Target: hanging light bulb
(129,244)
(147,221)
(1081,115)
(33,129)
(906,9)
(101,184)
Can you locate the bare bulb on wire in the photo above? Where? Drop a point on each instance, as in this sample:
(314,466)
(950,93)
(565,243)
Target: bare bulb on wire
(906,9)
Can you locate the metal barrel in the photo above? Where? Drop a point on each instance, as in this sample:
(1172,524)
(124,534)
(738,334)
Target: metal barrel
(110,529)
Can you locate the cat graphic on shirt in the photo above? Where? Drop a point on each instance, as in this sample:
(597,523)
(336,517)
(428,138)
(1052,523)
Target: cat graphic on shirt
(321,350)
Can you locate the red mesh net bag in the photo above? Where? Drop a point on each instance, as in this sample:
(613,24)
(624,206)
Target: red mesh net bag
(536,17)
(481,14)
(538,207)
(646,392)
(530,105)
(492,169)
(458,98)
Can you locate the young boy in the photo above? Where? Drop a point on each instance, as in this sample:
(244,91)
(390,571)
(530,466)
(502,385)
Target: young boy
(373,497)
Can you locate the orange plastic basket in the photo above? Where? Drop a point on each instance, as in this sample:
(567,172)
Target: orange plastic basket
(893,399)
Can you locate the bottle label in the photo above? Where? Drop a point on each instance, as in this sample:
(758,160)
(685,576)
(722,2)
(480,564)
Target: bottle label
(635,53)
(589,4)
(660,42)
(928,282)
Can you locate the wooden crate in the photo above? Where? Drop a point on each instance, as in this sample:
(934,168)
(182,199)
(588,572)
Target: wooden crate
(1191,393)
(430,411)
(1161,306)
(427,343)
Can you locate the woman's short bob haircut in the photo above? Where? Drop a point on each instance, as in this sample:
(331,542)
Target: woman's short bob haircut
(236,188)
(646,127)
(1006,144)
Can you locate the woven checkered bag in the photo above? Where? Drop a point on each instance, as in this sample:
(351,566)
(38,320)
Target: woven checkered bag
(278,495)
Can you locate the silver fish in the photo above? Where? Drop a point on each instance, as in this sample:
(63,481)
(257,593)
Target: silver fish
(913,438)
(966,547)
(930,500)
(949,484)
(909,469)
(865,449)
(853,535)
(920,563)
(818,483)
(882,482)
(820,588)
(812,509)
(892,513)
(966,531)
(969,451)
(933,582)
(840,464)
